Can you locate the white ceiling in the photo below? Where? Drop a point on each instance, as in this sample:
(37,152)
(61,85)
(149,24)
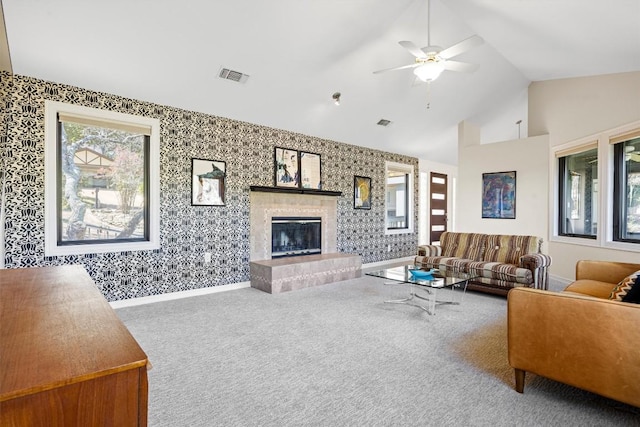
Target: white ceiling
(299,52)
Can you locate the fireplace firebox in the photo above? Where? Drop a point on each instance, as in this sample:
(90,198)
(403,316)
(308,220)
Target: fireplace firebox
(294,236)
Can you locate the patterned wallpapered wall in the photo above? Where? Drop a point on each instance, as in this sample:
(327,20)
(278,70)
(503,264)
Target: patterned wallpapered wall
(187,232)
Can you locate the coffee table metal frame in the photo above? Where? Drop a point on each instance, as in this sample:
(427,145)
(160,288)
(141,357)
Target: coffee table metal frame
(401,275)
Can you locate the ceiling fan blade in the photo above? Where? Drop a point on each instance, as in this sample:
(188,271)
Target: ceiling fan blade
(464,67)
(396,68)
(461,47)
(411,47)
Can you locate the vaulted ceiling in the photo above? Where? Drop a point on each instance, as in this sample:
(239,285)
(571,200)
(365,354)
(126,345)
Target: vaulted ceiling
(297,53)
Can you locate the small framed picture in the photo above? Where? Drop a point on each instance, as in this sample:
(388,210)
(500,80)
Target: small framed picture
(310,171)
(207,182)
(286,168)
(499,195)
(361,192)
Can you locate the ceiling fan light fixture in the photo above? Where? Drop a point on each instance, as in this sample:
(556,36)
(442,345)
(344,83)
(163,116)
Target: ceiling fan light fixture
(429,71)
(336,98)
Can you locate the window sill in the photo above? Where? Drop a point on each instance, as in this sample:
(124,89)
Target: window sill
(609,245)
(53,250)
(398,231)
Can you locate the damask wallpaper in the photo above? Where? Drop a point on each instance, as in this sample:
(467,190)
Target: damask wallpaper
(187,231)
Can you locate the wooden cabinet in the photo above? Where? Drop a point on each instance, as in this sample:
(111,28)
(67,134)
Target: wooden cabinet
(66,359)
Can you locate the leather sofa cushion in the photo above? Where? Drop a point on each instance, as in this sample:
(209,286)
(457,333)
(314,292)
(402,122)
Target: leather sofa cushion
(594,288)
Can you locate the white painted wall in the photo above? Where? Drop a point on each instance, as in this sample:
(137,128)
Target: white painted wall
(500,124)
(569,109)
(529,157)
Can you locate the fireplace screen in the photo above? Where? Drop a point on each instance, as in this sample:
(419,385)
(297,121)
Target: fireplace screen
(292,236)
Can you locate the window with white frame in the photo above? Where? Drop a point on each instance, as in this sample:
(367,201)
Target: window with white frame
(578,196)
(399,198)
(597,190)
(626,187)
(101,181)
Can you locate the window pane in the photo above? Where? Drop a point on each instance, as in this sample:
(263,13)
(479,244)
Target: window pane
(397,191)
(579,194)
(102,175)
(627,191)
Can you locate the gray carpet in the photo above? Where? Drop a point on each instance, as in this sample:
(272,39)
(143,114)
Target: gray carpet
(337,355)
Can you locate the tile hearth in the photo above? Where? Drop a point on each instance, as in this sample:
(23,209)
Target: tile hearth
(288,274)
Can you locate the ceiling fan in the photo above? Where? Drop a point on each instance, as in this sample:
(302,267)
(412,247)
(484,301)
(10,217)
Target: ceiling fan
(631,154)
(431,60)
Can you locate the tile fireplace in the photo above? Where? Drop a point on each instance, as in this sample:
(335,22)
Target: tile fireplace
(265,206)
(284,229)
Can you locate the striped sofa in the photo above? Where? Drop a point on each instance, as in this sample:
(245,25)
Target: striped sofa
(500,262)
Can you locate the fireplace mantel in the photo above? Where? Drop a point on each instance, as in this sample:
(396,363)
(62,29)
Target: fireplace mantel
(292,190)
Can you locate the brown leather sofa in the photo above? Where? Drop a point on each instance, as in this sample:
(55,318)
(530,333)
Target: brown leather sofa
(578,337)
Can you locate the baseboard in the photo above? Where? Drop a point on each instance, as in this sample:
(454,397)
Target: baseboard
(223,288)
(178,295)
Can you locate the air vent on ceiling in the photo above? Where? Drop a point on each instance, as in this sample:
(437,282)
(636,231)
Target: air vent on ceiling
(235,76)
(384,122)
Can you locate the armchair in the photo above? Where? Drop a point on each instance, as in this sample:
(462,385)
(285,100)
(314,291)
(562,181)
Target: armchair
(579,336)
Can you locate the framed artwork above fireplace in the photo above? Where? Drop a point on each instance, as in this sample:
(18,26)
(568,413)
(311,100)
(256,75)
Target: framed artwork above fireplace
(310,171)
(297,169)
(286,168)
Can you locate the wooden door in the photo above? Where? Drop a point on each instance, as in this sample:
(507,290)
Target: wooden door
(438,206)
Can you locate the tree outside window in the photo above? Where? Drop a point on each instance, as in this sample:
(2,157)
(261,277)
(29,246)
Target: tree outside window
(103,194)
(101,181)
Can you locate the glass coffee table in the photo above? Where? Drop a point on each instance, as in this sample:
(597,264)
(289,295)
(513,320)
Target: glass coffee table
(448,280)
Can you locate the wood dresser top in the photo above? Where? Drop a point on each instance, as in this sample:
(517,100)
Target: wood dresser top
(56,328)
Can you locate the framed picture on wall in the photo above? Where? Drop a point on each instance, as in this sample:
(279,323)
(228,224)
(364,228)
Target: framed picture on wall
(361,192)
(207,182)
(310,171)
(499,195)
(286,168)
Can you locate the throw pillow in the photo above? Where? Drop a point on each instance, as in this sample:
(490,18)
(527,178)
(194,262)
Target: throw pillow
(626,285)
(633,294)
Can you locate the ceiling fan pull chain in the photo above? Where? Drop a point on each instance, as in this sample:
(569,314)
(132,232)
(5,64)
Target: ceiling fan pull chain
(428,95)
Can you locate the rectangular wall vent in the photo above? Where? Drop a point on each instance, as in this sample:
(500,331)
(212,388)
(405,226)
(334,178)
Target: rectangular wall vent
(234,76)
(384,122)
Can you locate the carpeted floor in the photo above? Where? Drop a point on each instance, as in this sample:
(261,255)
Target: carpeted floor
(337,355)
